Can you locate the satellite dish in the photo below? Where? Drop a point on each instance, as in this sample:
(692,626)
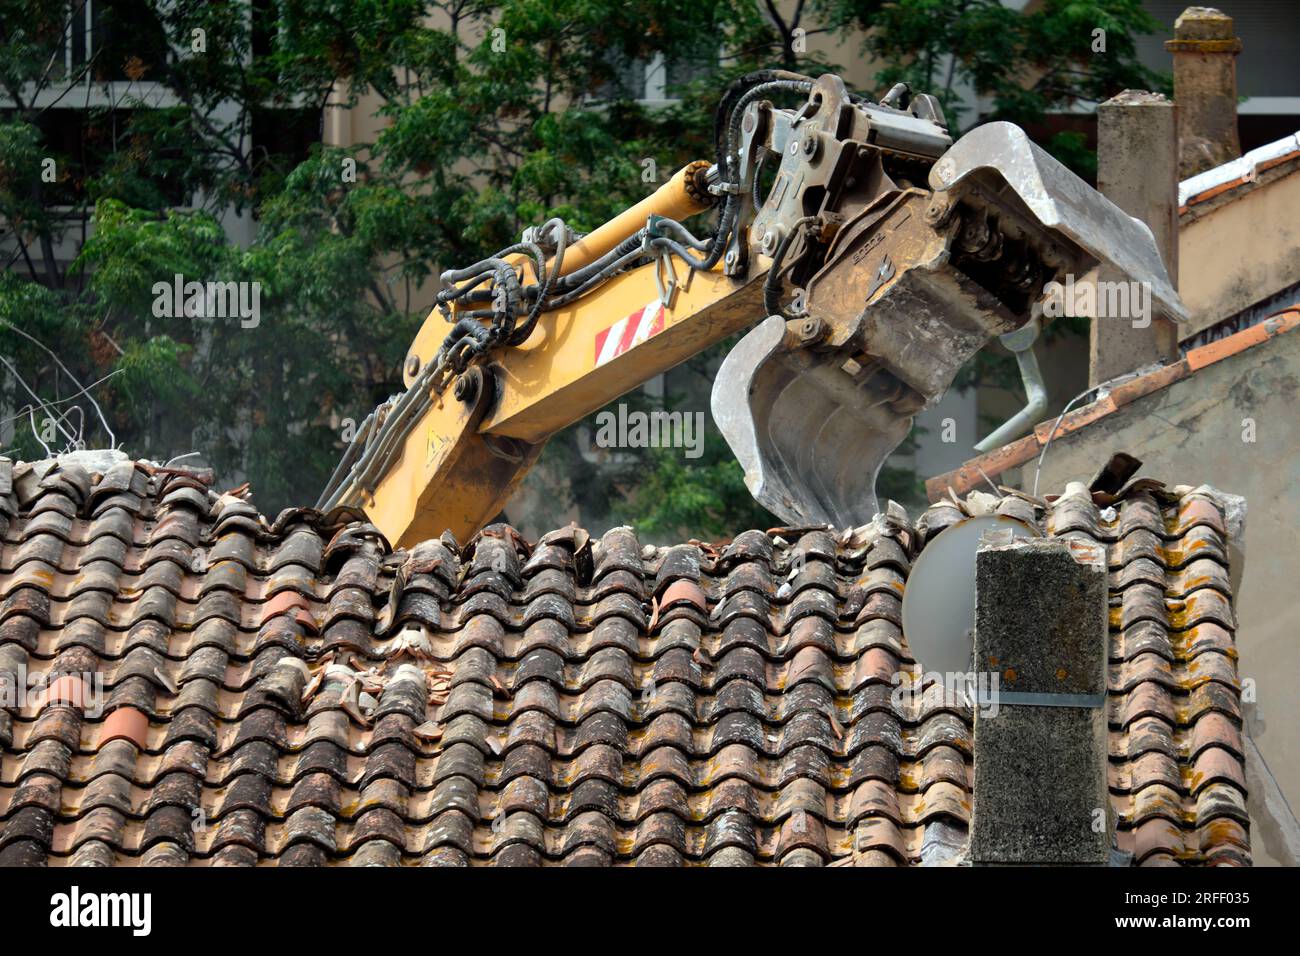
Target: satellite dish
(939,598)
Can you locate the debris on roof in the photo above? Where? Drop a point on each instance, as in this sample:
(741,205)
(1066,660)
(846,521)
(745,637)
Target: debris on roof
(294,692)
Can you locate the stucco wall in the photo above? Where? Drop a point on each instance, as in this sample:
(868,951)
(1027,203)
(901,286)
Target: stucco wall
(1244,247)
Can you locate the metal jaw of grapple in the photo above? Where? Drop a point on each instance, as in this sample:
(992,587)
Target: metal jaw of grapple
(901,285)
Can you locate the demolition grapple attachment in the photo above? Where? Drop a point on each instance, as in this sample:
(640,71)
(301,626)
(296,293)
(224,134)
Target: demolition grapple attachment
(894,256)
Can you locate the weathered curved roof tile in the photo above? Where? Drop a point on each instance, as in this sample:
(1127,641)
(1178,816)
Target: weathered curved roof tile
(315,699)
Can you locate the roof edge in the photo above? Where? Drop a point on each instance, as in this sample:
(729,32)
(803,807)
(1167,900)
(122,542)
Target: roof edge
(978,471)
(1238,172)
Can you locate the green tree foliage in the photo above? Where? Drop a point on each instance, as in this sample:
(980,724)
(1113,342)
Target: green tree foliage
(1059,53)
(491,117)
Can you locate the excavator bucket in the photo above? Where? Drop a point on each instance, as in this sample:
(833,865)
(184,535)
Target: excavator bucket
(913,283)
(811,439)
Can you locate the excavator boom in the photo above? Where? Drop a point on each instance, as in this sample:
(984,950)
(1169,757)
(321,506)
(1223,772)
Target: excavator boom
(872,255)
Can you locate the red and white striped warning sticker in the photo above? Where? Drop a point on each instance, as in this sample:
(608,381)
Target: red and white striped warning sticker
(627,333)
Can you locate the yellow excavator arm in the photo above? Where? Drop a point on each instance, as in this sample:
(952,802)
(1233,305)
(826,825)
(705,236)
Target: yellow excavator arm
(875,255)
(467,451)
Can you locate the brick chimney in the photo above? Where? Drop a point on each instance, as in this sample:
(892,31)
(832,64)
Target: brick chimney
(1205,89)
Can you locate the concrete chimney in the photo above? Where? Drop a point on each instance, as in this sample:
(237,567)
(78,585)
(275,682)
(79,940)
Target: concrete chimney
(1137,170)
(1041,626)
(1205,89)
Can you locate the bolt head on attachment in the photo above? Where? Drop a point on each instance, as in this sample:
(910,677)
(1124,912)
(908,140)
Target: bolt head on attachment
(412,364)
(809,330)
(466,387)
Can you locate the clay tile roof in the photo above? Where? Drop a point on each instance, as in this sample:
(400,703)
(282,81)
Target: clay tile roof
(501,704)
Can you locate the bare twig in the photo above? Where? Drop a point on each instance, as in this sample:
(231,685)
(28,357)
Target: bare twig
(40,402)
(11,418)
(98,411)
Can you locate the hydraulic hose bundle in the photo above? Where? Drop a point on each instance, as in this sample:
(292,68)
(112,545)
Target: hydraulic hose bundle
(553,291)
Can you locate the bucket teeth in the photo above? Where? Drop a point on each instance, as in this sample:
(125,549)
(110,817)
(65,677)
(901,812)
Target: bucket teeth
(810,435)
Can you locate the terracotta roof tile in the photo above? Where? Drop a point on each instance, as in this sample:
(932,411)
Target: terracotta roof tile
(125,723)
(310,697)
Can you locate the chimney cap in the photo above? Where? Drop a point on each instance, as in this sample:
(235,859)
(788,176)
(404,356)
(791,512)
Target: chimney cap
(1138,98)
(1203,30)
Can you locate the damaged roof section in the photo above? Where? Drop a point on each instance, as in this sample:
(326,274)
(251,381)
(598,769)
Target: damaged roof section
(979,471)
(294,692)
